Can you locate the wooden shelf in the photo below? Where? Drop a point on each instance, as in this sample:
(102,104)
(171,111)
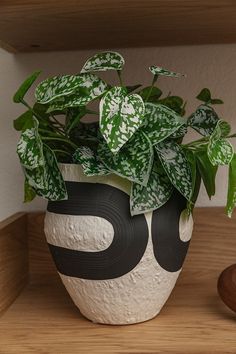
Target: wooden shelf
(43,319)
(41,25)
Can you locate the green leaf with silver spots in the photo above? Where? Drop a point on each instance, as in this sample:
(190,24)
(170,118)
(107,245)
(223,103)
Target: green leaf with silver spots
(176,166)
(104,61)
(219,150)
(30,147)
(157,70)
(154,195)
(204,120)
(47,181)
(160,122)
(120,116)
(231,197)
(84,87)
(92,165)
(134,160)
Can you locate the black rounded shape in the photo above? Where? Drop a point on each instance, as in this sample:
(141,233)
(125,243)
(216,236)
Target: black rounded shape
(130,233)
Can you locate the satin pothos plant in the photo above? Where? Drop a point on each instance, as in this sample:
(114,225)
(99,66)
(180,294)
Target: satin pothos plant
(138,135)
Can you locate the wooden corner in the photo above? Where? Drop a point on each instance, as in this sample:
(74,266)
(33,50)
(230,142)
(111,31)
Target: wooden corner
(13,258)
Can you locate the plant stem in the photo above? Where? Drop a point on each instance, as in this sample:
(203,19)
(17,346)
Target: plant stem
(56,121)
(62,152)
(60,139)
(152,85)
(120,78)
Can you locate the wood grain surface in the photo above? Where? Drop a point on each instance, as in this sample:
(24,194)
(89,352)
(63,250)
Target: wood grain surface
(43,319)
(13,258)
(41,25)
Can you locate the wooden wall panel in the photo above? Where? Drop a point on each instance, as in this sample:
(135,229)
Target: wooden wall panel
(13,258)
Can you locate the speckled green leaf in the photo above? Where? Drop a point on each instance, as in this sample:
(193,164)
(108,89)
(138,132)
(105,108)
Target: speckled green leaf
(104,61)
(176,166)
(92,165)
(83,87)
(47,181)
(160,122)
(30,147)
(134,160)
(144,199)
(219,150)
(157,70)
(231,197)
(180,133)
(120,116)
(204,120)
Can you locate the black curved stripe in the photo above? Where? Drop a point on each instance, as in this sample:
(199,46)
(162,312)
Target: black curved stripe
(130,233)
(169,249)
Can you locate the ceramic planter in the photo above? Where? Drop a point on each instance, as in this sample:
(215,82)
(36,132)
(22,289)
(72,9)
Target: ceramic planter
(117,269)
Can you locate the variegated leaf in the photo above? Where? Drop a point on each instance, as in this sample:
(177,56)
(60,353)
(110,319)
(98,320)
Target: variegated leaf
(157,70)
(92,165)
(104,61)
(231,197)
(30,147)
(134,160)
(220,151)
(204,120)
(180,133)
(160,122)
(154,195)
(176,166)
(87,86)
(120,116)
(47,181)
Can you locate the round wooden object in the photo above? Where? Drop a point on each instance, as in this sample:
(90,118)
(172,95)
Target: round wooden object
(227,287)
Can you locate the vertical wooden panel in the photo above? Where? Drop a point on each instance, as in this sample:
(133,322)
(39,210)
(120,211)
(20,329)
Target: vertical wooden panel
(13,258)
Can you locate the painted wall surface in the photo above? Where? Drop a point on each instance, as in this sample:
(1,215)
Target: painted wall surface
(210,66)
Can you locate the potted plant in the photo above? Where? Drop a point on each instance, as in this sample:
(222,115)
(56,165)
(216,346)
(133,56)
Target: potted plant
(122,188)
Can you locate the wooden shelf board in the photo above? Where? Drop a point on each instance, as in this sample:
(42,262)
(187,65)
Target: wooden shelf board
(40,25)
(44,320)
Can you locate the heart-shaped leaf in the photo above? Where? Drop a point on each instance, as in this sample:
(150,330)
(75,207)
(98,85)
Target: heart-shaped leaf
(23,89)
(205,96)
(134,160)
(92,165)
(157,70)
(220,151)
(154,195)
(86,87)
(231,197)
(30,147)
(204,120)
(160,122)
(120,116)
(47,180)
(176,166)
(150,94)
(104,61)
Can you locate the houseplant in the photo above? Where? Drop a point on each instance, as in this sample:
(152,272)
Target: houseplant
(121,189)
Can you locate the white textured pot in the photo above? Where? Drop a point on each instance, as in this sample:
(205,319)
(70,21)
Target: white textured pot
(117,269)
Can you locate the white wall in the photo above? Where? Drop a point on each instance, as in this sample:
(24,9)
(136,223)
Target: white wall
(206,66)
